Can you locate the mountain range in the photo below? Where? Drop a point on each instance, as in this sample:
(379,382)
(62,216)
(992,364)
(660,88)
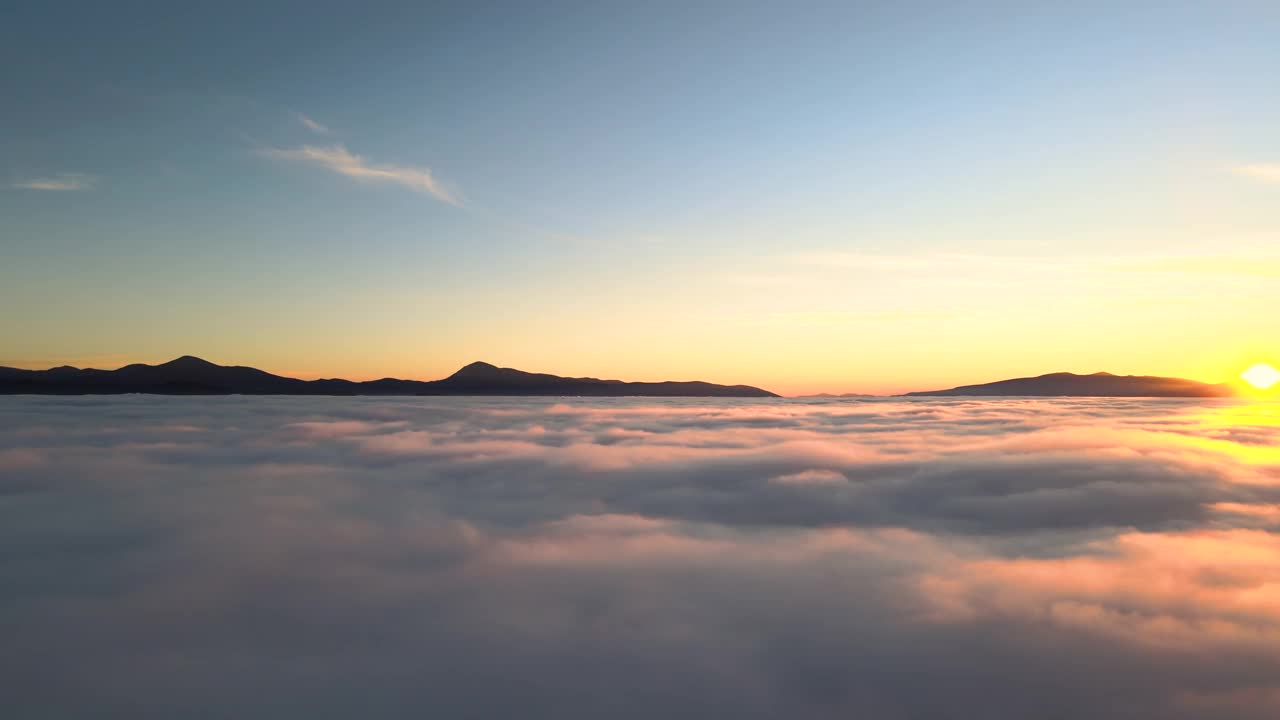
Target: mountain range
(189,375)
(1100,384)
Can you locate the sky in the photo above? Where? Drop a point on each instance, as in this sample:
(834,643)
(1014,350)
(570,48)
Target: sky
(638,558)
(839,197)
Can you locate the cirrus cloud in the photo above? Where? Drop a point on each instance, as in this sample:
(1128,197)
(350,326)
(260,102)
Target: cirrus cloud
(313,125)
(338,159)
(62,182)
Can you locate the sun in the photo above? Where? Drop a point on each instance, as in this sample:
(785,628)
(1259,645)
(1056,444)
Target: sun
(1261,376)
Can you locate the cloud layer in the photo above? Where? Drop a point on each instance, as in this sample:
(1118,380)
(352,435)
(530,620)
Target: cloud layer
(304,557)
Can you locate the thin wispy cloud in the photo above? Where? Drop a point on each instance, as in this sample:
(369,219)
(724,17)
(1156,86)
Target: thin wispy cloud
(955,263)
(312,125)
(1242,263)
(829,318)
(1265,172)
(338,159)
(62,182)
(1259,266)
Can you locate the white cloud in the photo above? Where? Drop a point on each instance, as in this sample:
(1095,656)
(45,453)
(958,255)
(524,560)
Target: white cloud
(344,162)
(61,182)
(1266,172)
(312,125)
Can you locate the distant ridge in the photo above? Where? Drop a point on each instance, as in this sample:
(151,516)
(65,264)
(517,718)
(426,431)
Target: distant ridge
(189,375)
(1100,384)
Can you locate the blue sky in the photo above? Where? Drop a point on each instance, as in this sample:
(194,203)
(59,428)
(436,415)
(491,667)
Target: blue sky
(639,189)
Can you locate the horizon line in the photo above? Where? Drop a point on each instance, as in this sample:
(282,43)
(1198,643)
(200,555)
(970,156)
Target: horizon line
(1230,384)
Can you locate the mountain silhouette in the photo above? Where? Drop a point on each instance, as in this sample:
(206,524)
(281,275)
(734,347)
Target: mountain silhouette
(190,375)
(1100,384)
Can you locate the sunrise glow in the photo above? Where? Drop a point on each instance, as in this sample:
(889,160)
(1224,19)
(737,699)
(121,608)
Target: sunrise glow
(888,360)
(1261,376)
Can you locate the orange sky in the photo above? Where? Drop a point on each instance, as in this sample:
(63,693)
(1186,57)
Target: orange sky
(902,323)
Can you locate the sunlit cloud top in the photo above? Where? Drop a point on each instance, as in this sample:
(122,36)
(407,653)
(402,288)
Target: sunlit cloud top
(770,558)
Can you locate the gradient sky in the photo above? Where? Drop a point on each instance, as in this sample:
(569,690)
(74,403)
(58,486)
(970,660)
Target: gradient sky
(811,197)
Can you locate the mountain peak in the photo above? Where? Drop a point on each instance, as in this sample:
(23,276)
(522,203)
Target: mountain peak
(1099,384)
(477,369)
(188,361)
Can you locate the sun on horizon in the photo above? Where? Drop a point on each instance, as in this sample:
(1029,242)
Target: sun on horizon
(1261,376)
